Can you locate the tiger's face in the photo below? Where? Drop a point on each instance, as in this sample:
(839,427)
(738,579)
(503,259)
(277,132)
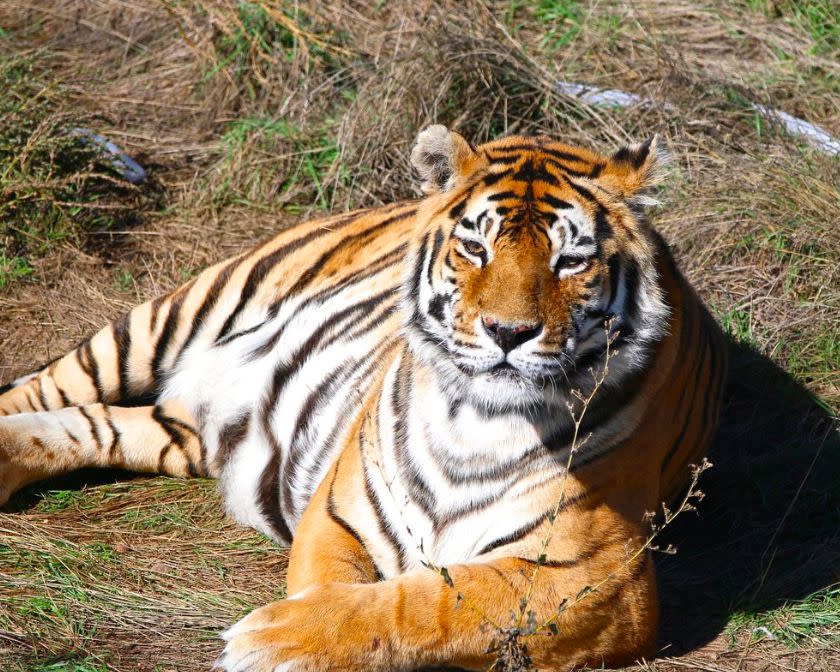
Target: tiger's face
(532,256)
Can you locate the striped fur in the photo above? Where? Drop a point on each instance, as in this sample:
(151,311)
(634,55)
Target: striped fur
(390,389)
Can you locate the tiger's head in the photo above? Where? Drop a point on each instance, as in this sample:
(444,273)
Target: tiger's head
(527,249)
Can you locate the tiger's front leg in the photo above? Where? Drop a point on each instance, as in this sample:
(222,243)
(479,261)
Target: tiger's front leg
(416,620)
(339,616)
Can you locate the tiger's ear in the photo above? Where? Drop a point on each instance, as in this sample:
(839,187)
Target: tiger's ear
(635,168)
(441,156)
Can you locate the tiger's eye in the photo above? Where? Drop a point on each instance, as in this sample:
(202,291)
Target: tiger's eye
(473,247)
(576,264)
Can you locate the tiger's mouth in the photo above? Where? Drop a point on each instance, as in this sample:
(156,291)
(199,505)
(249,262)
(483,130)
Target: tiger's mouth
(504,368)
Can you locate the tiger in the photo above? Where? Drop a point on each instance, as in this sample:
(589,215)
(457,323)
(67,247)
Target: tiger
(395,392)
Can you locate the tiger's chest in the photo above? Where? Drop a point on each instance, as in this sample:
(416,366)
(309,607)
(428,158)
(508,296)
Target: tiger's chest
(445,486)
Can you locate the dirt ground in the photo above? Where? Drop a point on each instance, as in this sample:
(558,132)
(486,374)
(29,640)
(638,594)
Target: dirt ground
(251,115)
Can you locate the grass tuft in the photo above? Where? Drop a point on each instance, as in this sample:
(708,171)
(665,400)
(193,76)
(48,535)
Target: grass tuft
(53,187)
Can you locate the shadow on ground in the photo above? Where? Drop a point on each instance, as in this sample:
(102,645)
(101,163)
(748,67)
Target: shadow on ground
(768,528)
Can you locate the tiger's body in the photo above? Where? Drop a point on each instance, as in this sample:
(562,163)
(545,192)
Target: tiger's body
(388,390)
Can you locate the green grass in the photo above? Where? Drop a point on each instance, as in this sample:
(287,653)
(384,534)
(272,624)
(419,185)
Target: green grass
(86,665)
(251,47)
(13,268)
(561,20)
(300,181)
(55,501)
(812,620)
(738,323)
(819,18)
(124,280)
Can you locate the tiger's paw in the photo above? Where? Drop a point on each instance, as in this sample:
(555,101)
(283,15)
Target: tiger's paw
(322,630)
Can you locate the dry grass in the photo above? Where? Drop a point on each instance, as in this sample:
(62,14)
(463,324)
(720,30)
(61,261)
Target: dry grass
(249,115)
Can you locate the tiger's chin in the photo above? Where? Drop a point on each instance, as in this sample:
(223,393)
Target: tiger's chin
(506,390)
(503,387)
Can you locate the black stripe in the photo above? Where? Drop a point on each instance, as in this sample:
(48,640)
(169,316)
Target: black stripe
(268,495)
(27,392)
(93,365)
(122,337)
(631,283)
(504,160)
(73,438)
(438,241)
(373,360)
(268,262)
(381,522)
(165,423)
(373,267)
(378,265)
(41,396)
(116,438)
(555,153)
(457,210)
(173,427)
(230,436)
(210,301)
(492,178)
(375,320)
(94,430)
(417,272)
(419,490)
(435,307)
(635,156)
(565,170)
(584,556)
(603,230)
(555,203)
(526,529)
(315,268)
(338,520)
(303,423)
(169,327)
(514,536)
(584,192)
(154,314)
(319,338)
(262,266)
(502,195)
(65,400)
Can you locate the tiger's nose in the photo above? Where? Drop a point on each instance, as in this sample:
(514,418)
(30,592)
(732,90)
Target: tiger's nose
(510,336)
